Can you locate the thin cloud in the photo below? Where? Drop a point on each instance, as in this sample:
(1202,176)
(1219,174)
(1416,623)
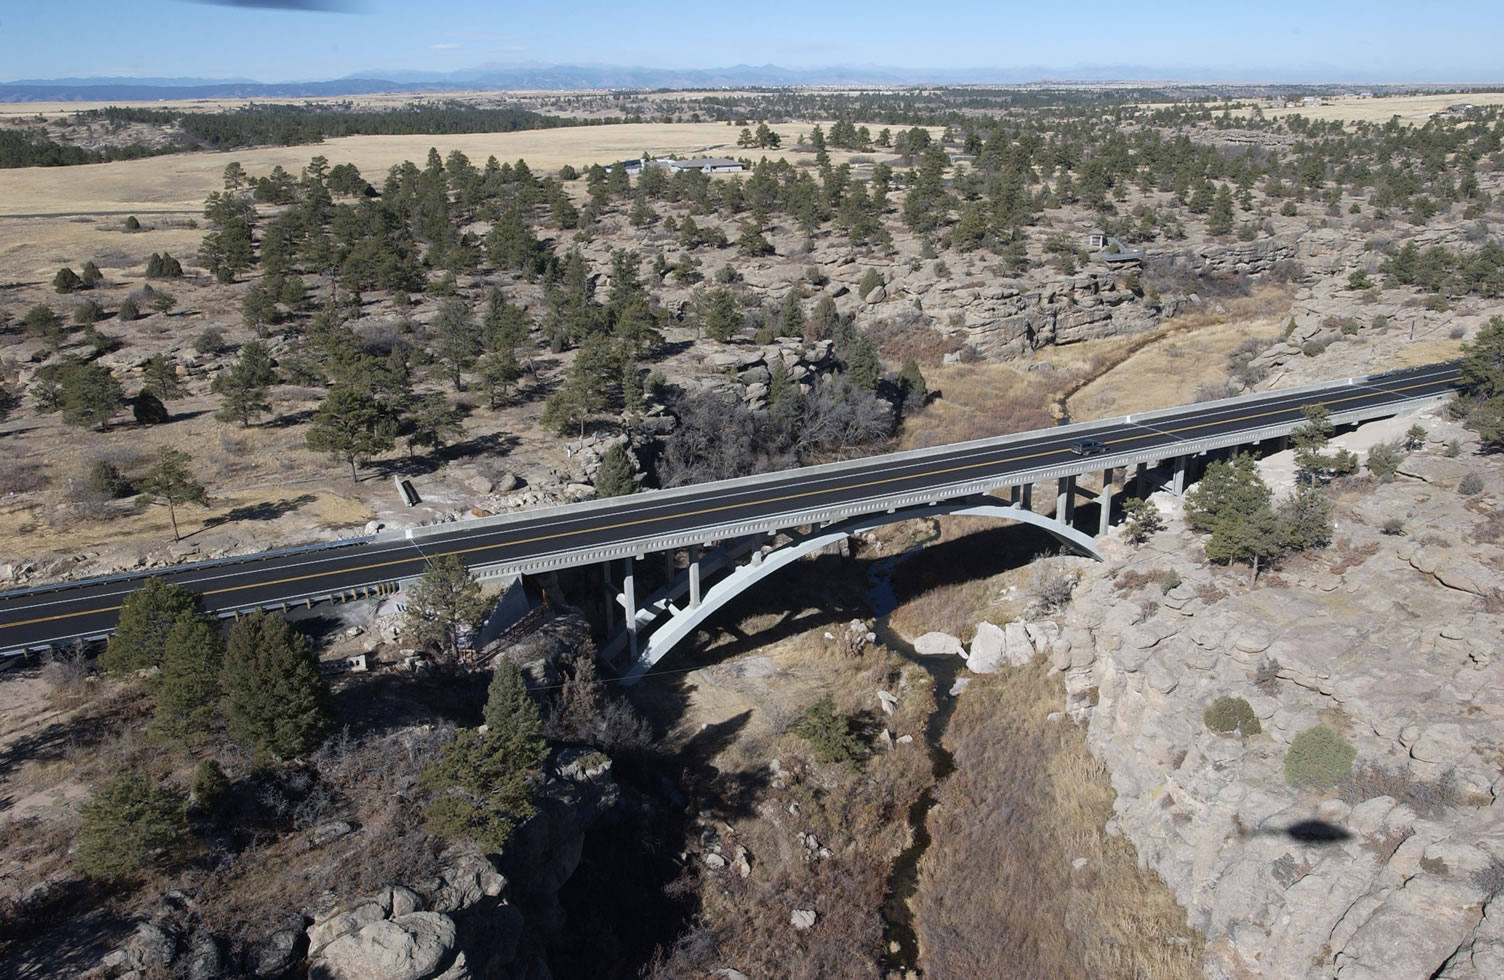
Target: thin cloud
(444,46)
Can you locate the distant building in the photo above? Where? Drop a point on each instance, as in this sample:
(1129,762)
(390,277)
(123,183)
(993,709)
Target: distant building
(1459,108)
(1365,95)
(1311,100)
(709,165)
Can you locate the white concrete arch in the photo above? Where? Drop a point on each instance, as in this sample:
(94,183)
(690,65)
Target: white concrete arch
(684,621)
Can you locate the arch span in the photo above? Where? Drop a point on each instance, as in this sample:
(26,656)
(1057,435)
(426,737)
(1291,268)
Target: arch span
(684,621)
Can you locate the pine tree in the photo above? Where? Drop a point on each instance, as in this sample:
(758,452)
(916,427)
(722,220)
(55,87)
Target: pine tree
(91,395)
(481,786)
(188,690)
(147,616)
(499,371)
(458,338)
(170,481)
(128,825)
(445,604)
(791,315)
(616,476)
(862,364)
(350,426)
(912,385)
(66,281)
(160,374)
(1219,220)
(276,706)
(244,387)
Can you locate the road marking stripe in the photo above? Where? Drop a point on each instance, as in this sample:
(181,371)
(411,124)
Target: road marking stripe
(1368,393)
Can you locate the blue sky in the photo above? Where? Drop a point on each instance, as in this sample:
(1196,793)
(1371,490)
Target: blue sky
(1444,40)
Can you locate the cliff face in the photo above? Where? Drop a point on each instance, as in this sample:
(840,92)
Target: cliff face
(1387,640)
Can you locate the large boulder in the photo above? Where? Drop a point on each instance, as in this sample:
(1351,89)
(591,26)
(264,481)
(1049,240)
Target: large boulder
(415,946)
(939,645)
(986,649)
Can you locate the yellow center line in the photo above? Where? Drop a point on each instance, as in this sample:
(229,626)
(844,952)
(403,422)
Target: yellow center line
(596,528)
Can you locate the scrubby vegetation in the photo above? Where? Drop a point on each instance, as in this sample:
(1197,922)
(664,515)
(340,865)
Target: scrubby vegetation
(1232,715)
(1319,759)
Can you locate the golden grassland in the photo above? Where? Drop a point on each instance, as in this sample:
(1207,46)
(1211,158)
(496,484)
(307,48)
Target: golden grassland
(1410,108)
(180,182)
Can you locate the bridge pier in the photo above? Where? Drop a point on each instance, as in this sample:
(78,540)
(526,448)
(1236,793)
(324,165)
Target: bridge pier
(694,576)
(629,600)
(1141,480)
(610,597)
(1104,503)
(1178,487)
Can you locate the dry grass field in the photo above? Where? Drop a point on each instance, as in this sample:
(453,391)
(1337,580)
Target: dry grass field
(181,182)
(1410,108)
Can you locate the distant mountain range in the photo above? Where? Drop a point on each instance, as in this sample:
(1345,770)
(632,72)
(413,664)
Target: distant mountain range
(590,76)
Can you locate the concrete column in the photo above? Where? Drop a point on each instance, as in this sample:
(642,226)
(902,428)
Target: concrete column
(1014,498)
(694,581)
(668,566)
(1141,480)
(1062,499)
(1070,500)
(629,601)
(1104,502)
(1028,496)
(1180,468)
(610,598)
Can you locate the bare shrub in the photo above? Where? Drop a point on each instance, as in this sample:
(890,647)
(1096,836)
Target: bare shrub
(1266,676)
(66,669)
(911,334)
(1428,798)
(1053,592)
(1209,593)
(21,476)
(1348,555)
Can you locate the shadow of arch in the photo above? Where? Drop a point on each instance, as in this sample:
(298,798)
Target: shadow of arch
(683,622)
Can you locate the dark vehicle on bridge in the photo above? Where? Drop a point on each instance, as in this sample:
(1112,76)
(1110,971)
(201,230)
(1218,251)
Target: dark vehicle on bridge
(1088,447)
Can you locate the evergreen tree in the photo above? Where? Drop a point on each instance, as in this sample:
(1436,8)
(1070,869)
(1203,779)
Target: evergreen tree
(587,389)
(499,371)
(457,338)
(434,422)
(1219,220)
(91,395)
(160,374)
(444,605)
(912,386)
(1140,520)
(276,706)
(481,786)
(616,476)
(791,315)
(188,690)
(244,387)
(66,281)
(169,480)
(258,308)
(718,316)
(863,367)
(147,616)
(350,426)
(1227,487)
(90,276)
(1483,383)
(128,825)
